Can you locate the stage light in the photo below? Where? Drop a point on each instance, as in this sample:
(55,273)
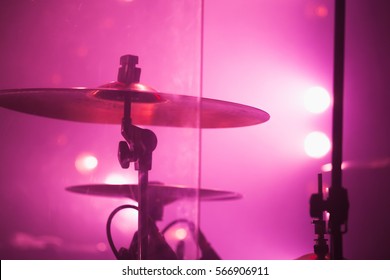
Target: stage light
(85,163)
(316,100)
(317,144)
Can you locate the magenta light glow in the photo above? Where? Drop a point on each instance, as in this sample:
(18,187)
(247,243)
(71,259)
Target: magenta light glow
(264,54)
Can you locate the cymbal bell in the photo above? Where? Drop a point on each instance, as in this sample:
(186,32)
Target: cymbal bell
(157,192)
(105,105)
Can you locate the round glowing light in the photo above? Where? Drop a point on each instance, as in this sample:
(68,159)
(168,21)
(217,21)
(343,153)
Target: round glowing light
(316,100)
(180,233)
(317,144)
(86,163)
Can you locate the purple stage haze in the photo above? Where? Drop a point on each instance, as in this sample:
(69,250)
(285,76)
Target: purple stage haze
(264,54)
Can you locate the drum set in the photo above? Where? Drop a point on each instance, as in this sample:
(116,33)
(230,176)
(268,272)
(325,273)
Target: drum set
(129,103)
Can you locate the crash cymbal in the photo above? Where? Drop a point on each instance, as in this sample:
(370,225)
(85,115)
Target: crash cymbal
(149,107)
(156,191)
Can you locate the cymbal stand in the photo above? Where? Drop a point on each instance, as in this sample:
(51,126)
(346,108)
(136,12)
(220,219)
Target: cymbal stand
(138,148)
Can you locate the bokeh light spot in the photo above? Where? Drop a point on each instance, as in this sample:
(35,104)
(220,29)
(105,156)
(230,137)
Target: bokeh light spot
(180,233)
(321,11)
(86,163)
(101,247)
(317,144)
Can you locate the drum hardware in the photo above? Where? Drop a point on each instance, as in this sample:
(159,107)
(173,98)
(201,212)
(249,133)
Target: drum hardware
(158,247)
(159,195)
(138,148)
(129,103)
(207,251)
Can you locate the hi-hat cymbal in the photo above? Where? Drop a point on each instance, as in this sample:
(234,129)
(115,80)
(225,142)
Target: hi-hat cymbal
(149,107)
(156,192)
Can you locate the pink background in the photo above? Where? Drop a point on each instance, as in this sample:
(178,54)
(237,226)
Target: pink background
(260,53)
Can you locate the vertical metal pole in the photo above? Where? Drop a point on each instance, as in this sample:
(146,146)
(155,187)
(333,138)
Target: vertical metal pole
(143,214)
(335,222)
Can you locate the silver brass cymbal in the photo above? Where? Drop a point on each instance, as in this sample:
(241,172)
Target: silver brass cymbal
(156,192)
(149,107)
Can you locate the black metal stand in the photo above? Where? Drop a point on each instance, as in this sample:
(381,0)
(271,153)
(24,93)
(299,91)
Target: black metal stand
(138,148)
(337,203)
